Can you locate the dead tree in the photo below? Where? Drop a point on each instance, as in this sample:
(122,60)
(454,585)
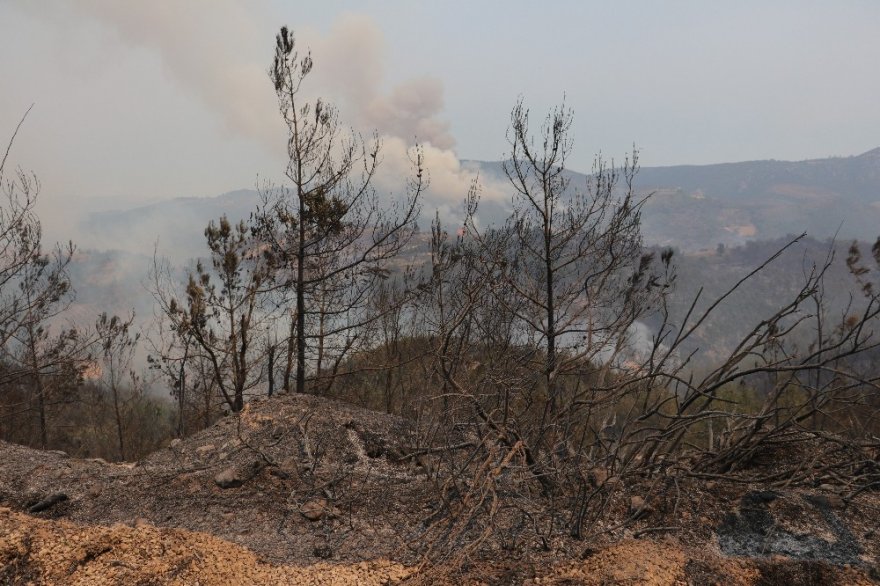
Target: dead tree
(569,273)
(117,345)
(326,231)
(553,433)
(35,289)
(221,313)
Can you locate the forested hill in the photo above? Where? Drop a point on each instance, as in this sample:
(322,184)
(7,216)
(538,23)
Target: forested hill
(696,207)
(692,207)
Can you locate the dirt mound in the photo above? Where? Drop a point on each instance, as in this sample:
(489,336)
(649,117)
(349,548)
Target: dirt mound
(58,552)
(251,479)
(36,551)
(666,563)
(641,562)
(299,481)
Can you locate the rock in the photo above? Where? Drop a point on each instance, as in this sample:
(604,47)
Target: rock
(638,507)
(313,510)
(835,501)
(279,473)
(94,491)
(202,451)
(141,522)
(48,502)
(174,443)
(827,501)
(229,478)
(425,465)
(598,476)
(317,509)
(711,485)
(289,465)
(235,476)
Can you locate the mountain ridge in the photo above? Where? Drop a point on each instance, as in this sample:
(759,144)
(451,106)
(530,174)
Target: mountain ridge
(692,207)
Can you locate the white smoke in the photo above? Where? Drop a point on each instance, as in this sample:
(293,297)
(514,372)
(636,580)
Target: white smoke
(206,47)
(218,51)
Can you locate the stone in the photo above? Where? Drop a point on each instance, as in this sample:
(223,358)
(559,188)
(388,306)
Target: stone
(279,473)
(174,443)
(313,510)
(835,501)
(202,451)
(229,478)
(235,476)
(425,465)
(289,465)
(48,502)
(317,509)
(639,507)
(598,476)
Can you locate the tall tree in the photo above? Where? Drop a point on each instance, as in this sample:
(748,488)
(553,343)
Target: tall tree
(221,316)
(34,289)
(571,256)
(117,344)
(326,232)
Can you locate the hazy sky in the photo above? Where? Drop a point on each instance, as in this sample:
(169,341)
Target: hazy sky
(140,100)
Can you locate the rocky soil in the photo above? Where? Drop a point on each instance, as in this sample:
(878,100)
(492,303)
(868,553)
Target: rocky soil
(301,490)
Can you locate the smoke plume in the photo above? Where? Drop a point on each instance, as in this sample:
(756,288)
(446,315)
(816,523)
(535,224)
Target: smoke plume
(218,51)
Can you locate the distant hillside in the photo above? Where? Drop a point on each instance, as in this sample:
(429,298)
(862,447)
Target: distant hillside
(710,275)
(697,207)
(692,207)
(177,226)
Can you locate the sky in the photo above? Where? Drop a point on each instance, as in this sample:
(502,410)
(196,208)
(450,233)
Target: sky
(152,99)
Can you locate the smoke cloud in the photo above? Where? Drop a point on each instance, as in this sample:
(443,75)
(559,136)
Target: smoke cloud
(207,47)
(218,51)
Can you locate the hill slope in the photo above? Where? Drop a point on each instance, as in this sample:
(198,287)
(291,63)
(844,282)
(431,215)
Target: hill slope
(696,207)
(302,480)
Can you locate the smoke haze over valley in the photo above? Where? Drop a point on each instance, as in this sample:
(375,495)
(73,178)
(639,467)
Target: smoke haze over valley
(168,110)
(161,103)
